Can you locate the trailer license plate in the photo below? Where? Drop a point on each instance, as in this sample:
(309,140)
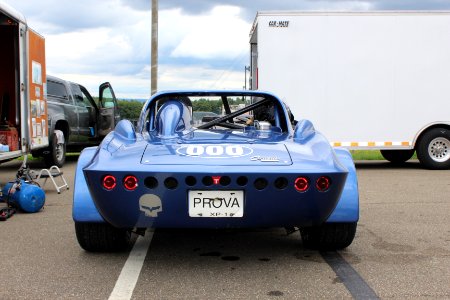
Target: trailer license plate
(216,204)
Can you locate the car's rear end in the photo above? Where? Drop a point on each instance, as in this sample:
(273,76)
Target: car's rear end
(215,186)
(246,168)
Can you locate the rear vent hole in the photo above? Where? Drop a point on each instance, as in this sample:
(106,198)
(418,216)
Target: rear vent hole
(281,183)
(151,182)
(171,183)
(225,180)
(207,180)
(242,180)
(191,181)
(260,183)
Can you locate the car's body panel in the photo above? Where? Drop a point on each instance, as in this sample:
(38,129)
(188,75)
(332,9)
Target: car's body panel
(226,153)
(347,209)
(84,209)
(188,156)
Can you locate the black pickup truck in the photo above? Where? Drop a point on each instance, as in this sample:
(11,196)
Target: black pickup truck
(75,119)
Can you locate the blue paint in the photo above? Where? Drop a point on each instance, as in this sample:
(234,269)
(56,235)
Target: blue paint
(164,145)
(27,197)
(84,209)
(347,209)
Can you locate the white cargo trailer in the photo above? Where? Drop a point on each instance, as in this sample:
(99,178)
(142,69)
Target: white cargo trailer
(367,80)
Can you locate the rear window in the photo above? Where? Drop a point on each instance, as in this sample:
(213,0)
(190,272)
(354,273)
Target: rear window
(56,89)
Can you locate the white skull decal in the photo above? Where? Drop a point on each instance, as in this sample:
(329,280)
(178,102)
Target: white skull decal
(150,204)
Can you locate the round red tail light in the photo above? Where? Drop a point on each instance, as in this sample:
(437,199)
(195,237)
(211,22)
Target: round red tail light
(301,184)
(323,184)
(130,183)
(109,182)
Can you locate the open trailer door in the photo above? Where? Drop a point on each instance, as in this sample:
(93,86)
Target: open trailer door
(37,92)
(13,83)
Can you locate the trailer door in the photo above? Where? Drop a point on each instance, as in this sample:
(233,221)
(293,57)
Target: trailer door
(37,91)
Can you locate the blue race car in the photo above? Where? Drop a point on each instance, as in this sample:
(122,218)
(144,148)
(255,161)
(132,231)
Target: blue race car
(251,165)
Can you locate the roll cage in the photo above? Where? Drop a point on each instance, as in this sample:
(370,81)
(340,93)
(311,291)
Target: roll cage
(262,107)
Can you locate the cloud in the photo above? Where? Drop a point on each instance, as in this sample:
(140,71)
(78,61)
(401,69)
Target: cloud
(60,16)
(219,34)
(249,8)
(198,77)
(125,87)
(411,5)
(122,38)
(202,43)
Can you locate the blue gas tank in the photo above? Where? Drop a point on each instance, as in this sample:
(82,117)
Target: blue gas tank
(27,197)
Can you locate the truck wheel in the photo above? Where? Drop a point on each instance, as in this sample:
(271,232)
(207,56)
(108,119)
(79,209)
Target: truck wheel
(397,156)
(102,237)
(57,154)
(36,154)
(433,149)
(328,236)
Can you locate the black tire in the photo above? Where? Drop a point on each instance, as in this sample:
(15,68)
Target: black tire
(36,154)
(397,156)
(328,236)
(433,149)
(56,153)
(102,237)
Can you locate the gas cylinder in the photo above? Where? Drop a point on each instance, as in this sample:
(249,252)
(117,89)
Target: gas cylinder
(25,196)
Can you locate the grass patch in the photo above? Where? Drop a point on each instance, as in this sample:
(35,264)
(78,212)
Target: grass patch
(370,155)
(31,158)
(366,155)
(73,154)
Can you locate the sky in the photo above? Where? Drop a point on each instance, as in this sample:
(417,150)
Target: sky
(202,43)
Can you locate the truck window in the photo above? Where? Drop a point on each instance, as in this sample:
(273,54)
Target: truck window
(57,89)
(77,95)
(80,97)
(108,100)
(87,98)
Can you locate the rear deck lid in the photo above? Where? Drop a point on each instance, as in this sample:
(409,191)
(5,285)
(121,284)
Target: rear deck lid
(271,154)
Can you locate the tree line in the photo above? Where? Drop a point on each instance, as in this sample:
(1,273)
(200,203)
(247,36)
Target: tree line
(131,109)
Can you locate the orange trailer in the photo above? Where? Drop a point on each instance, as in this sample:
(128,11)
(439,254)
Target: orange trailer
(23,91)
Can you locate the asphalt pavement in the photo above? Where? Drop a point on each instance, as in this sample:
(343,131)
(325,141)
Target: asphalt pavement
(401,251)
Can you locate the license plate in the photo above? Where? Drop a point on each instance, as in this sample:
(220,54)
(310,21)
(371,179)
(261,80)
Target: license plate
(216,204)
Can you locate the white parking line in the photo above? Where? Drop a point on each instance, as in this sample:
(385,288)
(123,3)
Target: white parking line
(123,290)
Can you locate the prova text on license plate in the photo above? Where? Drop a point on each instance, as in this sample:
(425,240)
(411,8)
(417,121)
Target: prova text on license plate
(216,204)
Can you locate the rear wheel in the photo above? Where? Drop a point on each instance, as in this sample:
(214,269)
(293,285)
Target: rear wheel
(102,237)
(56,154)
(433,149)
(329,236)
(397,156)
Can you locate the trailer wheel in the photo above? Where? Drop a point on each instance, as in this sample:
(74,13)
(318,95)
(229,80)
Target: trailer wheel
(329,236)
(102,237)
(57,154)
(397,156)
(433,149)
